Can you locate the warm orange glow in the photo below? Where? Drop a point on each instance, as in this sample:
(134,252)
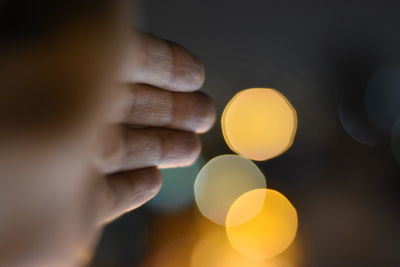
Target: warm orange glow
(259,123)
(270,232)
(214,250)
(175,254)
(221,181)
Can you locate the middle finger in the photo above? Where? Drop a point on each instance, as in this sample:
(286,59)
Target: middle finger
(153,107)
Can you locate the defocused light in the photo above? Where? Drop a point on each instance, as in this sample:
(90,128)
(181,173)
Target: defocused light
(172,237)
(221,181)
(357,124)
(177,190)
(270,232)
(382,98)
(175,254)
(259,123)
(214,250)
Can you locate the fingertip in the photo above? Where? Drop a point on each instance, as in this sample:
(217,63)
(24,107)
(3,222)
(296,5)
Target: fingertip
(194,112)
(154,182)
(130,190)
(164,64)
(188,72)
(147,183)
(187,148)
(206,114)
(194,149)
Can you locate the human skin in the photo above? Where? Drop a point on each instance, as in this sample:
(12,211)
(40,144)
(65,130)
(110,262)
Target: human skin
(89,116)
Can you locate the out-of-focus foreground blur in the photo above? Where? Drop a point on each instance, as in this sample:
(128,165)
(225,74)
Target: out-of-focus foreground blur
(338,62)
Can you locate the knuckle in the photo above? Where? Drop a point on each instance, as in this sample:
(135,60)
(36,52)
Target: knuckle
(150,105)
(155,148)
(180,148)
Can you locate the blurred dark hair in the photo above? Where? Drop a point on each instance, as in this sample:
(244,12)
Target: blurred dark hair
(26,19)
(40,88)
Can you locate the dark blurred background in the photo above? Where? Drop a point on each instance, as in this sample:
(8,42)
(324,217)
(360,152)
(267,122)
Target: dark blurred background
(338,62)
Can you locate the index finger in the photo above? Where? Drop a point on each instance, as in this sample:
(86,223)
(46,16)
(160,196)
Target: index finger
(163,64)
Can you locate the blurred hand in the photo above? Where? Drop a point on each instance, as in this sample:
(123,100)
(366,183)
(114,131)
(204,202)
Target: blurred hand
(156,123)
(60,185)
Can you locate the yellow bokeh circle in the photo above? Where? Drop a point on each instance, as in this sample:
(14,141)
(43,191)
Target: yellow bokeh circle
(259,123)
(268,234)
